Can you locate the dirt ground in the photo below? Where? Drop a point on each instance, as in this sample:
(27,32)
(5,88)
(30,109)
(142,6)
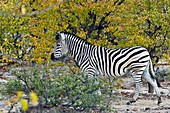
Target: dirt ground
(145,104)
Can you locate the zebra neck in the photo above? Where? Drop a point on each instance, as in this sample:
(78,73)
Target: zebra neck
(79,51)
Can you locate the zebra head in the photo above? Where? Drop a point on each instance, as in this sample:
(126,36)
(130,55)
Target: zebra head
(60,49)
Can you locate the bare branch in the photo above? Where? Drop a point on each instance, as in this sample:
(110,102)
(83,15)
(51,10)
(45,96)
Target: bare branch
(103,24)
(91,27)
(120,2)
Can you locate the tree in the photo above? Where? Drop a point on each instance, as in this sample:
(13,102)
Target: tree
(27,30)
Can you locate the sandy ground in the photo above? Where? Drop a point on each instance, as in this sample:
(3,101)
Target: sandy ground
(147,103)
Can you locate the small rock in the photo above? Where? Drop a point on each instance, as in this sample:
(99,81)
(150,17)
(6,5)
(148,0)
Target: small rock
(127,110)
(3,81)
(147,108)
(6,74)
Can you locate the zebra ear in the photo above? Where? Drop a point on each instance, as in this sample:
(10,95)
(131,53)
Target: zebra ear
(57,36)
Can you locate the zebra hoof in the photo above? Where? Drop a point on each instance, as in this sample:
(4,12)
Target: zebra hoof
(131,101)
(159,100)
(128,103)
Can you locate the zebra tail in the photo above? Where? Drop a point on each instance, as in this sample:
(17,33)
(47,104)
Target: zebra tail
(153,73)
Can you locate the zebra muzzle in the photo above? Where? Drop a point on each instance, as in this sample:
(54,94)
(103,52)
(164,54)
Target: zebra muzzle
(52,57)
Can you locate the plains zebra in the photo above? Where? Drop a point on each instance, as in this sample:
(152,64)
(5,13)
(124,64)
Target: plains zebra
(96,60)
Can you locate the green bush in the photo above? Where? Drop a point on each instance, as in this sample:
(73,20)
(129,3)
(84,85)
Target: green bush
(13,86)
(68,90)
(161,74)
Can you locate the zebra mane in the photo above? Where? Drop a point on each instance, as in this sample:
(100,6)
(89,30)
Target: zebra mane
(67,33)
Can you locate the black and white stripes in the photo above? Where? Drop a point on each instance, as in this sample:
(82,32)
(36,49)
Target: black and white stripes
(96,60)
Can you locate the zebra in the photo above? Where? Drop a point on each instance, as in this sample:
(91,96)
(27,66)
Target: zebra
(96,60)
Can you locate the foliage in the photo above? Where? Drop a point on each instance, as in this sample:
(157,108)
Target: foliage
(24,104)
(28,27)
(69,90)
(19,97)
(15,85)
(162,74)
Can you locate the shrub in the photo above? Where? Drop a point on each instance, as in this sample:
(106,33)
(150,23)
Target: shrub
(161,74)
(68,90)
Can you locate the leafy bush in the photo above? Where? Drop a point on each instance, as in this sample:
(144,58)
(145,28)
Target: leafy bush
(161,74)
(68,90)
(13,86)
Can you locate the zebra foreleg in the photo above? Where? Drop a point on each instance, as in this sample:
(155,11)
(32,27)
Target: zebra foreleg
(87,76)
(94,82)
(87,80)
(136,95)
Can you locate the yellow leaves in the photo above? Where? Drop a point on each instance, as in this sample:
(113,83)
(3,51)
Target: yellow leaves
(23,10)
(39,60)
(74,68)
(24,104)
(119,84)
(5,39)
(98,42)
(34,98)
(19,94)
(59,0)
(25,1)
(14,100)
(74,15)
(34,101)
(60,64)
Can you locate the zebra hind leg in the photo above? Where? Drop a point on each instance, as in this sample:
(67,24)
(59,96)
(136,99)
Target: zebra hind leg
(154,84)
